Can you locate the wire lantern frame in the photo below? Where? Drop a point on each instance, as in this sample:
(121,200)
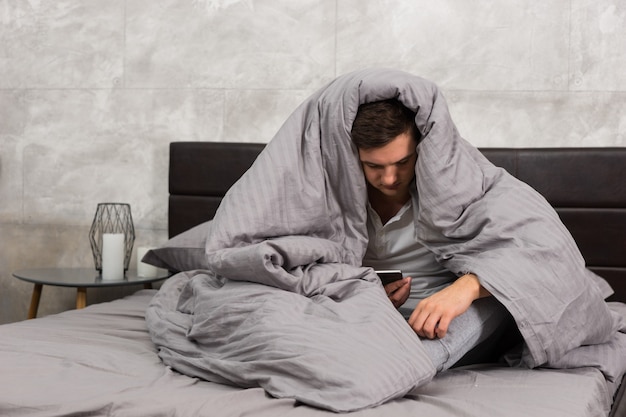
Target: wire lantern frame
(112,218)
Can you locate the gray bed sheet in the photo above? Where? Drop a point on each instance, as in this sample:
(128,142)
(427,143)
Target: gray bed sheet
(101,361)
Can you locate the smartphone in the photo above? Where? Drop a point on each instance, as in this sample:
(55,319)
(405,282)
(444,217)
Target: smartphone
(389,276)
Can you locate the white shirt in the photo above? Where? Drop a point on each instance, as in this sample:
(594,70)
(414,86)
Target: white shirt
(394,246)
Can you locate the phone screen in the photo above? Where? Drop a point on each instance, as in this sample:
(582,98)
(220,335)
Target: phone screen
(389,276)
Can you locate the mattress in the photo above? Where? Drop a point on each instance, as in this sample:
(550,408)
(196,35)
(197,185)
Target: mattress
(101,361)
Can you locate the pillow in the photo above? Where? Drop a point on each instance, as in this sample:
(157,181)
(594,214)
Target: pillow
(183,252)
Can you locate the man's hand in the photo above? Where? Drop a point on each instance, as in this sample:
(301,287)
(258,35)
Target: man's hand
(398,291)
(433,314)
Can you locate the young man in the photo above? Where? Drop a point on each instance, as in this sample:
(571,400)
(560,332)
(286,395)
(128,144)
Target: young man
(440,307)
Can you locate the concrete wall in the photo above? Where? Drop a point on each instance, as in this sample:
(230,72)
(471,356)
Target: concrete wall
(92,92)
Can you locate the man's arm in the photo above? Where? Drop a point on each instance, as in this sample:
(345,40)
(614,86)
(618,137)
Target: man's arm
(433,314)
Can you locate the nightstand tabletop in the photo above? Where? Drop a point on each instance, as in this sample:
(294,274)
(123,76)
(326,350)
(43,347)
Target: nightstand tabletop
(81,277)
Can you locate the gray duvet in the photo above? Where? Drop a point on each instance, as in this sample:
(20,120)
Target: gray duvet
(284,304)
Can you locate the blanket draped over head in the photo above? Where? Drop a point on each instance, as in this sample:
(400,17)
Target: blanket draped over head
(284,303)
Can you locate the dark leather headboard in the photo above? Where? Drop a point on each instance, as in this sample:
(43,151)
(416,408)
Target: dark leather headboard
(200,174)
(587,187)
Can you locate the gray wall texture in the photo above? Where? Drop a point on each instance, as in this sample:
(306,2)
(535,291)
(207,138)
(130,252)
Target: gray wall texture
(93,91)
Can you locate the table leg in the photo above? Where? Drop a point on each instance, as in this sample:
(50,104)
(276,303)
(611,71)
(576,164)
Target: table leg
(81,297)
(147,286)
(34,301)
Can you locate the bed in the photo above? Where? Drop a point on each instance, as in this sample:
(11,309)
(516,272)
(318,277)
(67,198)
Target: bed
(101,360)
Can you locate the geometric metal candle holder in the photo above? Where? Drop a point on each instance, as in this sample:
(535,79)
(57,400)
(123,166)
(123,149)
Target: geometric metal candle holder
(112,218)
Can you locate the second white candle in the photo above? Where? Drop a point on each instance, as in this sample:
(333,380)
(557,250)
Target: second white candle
(143,269)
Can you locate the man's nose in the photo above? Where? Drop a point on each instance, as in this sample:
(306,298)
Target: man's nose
(390,175)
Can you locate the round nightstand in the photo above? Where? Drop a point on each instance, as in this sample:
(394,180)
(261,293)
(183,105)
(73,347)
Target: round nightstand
(79,278)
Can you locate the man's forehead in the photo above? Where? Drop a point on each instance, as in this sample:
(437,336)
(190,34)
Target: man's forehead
(383,157)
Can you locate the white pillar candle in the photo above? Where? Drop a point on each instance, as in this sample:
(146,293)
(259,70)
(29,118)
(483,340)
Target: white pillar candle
(112,256)
(143,269)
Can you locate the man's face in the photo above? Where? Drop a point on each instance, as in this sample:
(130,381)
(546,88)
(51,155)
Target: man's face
(391,168)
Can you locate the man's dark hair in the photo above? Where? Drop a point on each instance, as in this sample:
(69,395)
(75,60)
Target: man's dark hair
(379,122)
